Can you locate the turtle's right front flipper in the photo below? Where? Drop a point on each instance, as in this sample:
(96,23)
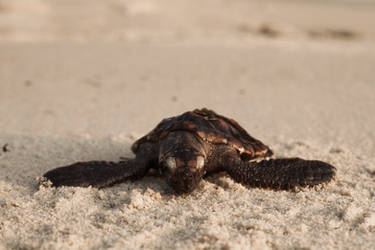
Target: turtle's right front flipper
(96,173)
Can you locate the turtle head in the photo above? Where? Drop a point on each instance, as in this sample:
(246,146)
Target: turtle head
(183,175)
(182,161)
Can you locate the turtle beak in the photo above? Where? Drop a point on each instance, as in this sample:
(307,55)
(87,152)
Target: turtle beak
(184,180)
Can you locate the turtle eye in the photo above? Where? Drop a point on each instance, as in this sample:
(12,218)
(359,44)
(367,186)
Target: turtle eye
(171,163)
(200,162)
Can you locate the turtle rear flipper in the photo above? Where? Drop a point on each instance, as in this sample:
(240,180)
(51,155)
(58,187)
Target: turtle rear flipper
(96,173)
(282,174)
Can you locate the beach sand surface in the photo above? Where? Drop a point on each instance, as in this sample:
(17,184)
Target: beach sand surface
(67,94)
(93,101)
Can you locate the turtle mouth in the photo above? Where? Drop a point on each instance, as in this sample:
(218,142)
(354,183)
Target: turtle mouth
(182,187)
(184,180)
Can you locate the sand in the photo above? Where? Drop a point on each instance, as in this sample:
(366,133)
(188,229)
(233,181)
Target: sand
(63,101)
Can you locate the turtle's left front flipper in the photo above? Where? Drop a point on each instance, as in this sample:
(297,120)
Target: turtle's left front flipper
(96,173)
(284,174)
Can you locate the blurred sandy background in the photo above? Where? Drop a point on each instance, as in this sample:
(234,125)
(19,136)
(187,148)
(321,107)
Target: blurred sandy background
(81,80)
(182,20)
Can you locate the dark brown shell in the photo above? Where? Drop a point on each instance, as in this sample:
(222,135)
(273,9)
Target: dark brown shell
(211,127)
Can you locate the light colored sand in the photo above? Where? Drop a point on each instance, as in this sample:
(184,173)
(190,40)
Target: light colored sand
(181,20)
(64,102)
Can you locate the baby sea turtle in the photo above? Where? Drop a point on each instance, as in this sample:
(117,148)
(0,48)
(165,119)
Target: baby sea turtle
(187,147)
